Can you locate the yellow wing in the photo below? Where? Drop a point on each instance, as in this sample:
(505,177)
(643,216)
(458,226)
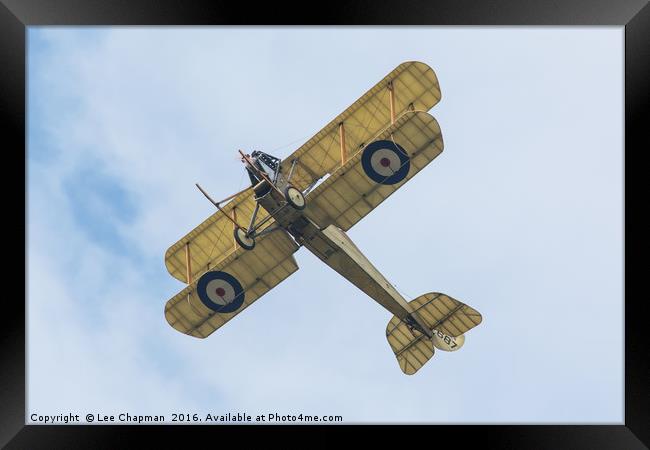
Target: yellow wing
(414,86)
(212,240)
(232,285)
(356,189)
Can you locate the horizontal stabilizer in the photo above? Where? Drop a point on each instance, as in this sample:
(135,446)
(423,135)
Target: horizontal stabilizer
(412,349)
(443,313)
(448,318)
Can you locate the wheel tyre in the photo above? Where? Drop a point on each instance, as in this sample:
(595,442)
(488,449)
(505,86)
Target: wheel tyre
(291,191)
(242,240)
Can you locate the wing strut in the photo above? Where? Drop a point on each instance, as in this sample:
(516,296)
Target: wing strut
(219,207)
(344,150)
(188,263)
(391,94)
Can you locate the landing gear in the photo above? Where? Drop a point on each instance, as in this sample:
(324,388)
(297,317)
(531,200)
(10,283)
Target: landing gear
(243,240)
(294,197)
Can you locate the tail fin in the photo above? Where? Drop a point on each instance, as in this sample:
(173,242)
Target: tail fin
(446,317)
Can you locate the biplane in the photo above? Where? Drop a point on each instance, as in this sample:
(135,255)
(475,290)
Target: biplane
(310,199)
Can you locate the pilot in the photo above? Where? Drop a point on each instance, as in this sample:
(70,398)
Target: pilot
(251,174)
(257,158)
(260,160)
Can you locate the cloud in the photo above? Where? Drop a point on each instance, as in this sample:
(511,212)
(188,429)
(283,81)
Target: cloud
(517,217)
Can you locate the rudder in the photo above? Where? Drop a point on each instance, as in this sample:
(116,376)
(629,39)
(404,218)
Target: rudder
(446,316)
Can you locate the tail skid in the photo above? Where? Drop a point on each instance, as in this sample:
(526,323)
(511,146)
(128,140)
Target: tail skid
(446,317)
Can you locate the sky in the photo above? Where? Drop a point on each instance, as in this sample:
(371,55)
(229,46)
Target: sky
(520,217)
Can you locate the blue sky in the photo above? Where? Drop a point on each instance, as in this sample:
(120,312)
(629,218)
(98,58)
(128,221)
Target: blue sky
(522,212)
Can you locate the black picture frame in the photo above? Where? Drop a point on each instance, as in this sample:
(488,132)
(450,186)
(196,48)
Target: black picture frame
(16,15)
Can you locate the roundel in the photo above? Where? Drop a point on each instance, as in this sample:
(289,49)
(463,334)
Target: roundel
(220,291)
(385,162)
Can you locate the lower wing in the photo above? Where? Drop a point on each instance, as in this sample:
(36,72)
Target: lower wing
(393,157)
(232,285)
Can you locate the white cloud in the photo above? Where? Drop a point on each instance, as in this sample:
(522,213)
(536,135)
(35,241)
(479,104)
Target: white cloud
(520,217)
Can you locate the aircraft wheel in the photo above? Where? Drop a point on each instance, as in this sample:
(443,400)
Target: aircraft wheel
(294,197)
(244,241)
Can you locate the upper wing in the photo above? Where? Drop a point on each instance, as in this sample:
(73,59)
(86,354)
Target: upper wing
(414,86)
(363,182)
(232,285)
(213,240)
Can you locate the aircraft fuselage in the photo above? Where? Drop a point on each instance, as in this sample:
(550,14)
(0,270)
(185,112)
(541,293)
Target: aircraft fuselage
(335,248)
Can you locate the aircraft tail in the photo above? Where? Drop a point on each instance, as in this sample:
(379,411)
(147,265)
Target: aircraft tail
(447,319)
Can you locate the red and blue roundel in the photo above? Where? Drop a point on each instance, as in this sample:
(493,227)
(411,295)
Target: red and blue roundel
(220,291)
(385,162)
